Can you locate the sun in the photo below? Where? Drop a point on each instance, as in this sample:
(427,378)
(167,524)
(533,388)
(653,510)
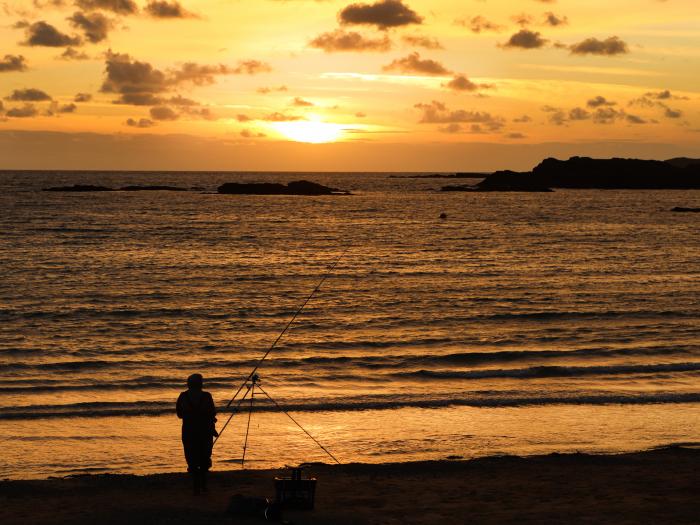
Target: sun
(313,131)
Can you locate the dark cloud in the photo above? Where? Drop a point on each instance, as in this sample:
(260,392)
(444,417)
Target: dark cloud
(243,118)
(67,108)
(526,39)
(340,40)
(26,111)
(672,113)
(438,113)
(422,41)
(95,26)
(462,83)
(579,114)
(82,97)
(43,34)
(479,24)
(140,123)
(139,83)
(523,119)
(607,115)
(550,19)
(414,64)
(599,101)
(164,9)
(384,14)
(182,102)
(592,46)
(558,118)
(360,114)
(122,7)
(12,63)
(28,95)
(301,103)
(73,54)
(515,135)
(163,113)
(634,119)
(664,95)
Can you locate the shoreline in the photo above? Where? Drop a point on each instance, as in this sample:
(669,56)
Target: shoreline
(658,485)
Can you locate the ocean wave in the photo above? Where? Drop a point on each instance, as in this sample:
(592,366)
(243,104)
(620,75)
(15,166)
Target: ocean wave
(550,371)
(158,408)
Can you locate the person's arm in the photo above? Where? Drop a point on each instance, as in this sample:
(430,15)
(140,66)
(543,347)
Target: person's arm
(179,408)
(212,411)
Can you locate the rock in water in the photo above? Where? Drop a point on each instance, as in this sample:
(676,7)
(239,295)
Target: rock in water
(301,187)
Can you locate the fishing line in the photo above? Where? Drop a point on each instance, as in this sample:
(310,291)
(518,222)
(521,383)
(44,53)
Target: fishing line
(289,324)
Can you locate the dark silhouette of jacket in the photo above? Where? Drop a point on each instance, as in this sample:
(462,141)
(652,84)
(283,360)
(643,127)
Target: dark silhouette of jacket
(198,414)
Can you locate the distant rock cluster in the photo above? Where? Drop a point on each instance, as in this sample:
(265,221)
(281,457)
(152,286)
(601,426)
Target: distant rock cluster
(301,187)
(588,173)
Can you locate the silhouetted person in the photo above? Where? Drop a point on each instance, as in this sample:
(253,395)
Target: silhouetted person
(196,409)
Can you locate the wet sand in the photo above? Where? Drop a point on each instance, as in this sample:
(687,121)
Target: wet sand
(658,486)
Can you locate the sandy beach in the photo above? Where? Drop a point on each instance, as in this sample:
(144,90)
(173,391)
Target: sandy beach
(648,487)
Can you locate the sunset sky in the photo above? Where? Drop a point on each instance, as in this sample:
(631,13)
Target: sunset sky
(336,85)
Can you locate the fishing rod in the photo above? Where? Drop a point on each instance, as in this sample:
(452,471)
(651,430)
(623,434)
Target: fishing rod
(274,344)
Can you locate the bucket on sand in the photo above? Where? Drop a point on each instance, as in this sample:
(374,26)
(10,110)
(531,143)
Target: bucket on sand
(295,492)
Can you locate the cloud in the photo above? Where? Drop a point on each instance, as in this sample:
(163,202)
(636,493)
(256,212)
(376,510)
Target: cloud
(422,41)
(579,114)
(251,134)
(28,95)
(360,114)
(243,118)
(43,34)
(599,101)
(634,119)
(140,123)
(82,97)
(413,63)
(164,9)
(13,63)
(515,135)
(592,46)
(68,108)
(384,14)
(26,111)
(122,7)
(301,103)
(438,113)
(281,117)
(523,119)
(526,39)
(264,90)
(139,83)
(73,54)
(664,95)
(607,115)
(479,24)
(672,113)
(522,19)
(550,19)
(340,40)
(163,113)
(95,26)
(462,83)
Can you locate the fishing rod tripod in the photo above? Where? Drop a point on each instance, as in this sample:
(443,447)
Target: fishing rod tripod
(250,390)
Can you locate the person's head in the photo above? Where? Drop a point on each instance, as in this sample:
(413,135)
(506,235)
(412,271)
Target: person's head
(195,382)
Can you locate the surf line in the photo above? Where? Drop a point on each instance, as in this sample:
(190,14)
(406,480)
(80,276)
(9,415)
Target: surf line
(253,378)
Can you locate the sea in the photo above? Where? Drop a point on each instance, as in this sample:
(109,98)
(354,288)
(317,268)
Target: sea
(521,323)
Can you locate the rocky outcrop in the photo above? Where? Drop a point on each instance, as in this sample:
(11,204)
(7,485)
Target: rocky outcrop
(301,187)
(588,173)
(79,188)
